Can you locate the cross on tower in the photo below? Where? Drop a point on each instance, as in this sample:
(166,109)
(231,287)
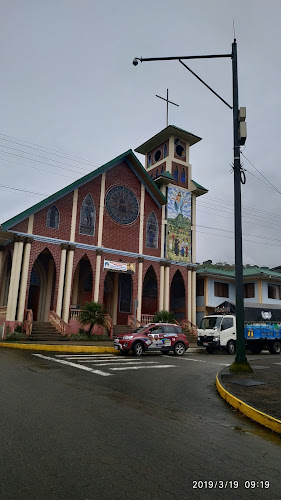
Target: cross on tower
(168,102)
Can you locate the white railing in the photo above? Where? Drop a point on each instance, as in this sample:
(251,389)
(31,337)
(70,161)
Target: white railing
(75,314)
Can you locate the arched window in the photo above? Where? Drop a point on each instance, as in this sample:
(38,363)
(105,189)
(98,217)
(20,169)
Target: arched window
(183,175)
(87,216)
(165,150)
(162,170)
(149,160)
(156,173)
(152,231)
(176,174)
(53,217)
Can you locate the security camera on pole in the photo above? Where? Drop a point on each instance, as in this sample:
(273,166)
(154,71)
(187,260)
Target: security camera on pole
(239,138)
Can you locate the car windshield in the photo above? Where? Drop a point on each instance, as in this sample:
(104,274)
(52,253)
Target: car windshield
(211,322)
(139,329)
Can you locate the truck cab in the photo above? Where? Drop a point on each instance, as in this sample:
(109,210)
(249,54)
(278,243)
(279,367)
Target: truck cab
(218,331)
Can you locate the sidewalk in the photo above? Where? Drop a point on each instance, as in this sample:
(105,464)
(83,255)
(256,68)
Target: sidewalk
(257,394)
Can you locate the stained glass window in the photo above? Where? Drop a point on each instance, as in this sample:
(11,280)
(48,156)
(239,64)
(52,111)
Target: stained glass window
(165,150)
(122,205)
(176,174)
(87,216)
(152,231)
(53,217)
(183,175)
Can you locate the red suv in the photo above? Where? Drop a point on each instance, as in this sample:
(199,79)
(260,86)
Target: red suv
(163,337)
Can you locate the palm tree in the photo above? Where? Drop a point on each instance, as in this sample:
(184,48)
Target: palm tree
(164,317)
(94,313)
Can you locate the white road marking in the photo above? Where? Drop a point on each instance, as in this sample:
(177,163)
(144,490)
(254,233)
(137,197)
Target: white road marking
(140,367)
(84,355)
(118,361)
(74,365)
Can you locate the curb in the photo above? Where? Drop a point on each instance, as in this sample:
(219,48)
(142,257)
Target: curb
(258,416)
(62,348)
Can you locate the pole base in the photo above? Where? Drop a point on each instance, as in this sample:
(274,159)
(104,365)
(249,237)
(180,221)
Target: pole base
(240,367)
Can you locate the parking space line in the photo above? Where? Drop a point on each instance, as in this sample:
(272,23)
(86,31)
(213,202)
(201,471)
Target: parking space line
(74,365)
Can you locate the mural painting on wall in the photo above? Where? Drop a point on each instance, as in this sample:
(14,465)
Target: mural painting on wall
(178,244)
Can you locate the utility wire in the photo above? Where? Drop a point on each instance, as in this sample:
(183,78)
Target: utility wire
(260,173)
(56,152)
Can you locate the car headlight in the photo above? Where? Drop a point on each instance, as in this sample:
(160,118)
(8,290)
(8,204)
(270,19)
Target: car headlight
(128,337)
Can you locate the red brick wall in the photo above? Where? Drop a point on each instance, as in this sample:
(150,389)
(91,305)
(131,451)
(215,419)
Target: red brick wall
(121,237)
(153,171)
(93,187)
(149,206)
(64,205)
(153,151)
(21,226)
(180,167)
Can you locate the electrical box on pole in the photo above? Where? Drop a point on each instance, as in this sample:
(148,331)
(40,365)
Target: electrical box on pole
(242,126)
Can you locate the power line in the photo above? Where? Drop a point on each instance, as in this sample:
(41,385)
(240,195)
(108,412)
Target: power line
(56,152)
(260,173)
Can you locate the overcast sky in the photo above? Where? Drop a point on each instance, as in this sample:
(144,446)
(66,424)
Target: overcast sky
(68,84)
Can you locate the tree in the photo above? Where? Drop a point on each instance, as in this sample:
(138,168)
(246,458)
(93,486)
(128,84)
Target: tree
(94,313)
(164,317)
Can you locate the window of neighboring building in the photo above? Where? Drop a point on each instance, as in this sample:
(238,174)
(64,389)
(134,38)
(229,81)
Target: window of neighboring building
(249,290)
(87,216)
(152,231)
(53,217)
(176,174)
(183,175)
(200,287)
(221,289)
(274,292)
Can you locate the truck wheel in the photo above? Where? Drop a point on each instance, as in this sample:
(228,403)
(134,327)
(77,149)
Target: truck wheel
(230,347)
(210,349)
(138,349)
(275,348)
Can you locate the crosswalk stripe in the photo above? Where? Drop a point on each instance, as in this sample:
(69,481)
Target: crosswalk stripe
(75,365)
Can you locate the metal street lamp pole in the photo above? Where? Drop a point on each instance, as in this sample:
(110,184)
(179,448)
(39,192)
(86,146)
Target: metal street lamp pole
(240,345)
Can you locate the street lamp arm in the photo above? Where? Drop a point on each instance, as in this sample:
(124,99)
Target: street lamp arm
(177,58)
(202,81)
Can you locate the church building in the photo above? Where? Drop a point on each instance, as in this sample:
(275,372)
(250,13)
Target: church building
(123,235)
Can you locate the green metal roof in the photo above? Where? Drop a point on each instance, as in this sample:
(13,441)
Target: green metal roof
(130,159)
(163,135)
(250,272)
(199,186)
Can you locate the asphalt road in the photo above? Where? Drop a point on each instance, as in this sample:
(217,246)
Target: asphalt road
(151,428)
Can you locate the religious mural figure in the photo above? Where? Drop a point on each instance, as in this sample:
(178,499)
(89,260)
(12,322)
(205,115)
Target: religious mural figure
(178,224)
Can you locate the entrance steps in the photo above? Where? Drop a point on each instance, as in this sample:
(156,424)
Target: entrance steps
(120,329)
(45,332)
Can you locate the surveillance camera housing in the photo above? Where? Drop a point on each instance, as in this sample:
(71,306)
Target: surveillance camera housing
(135,62)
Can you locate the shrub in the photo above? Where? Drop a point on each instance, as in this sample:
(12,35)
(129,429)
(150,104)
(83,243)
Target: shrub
(164,317)
(16,335)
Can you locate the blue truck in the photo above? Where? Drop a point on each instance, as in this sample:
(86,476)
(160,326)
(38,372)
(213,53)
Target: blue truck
(262,329)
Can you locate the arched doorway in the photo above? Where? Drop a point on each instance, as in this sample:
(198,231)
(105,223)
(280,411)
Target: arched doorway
(117,296)
(177,296)
(5,282)
(83,283)
(149,292)
(42,285)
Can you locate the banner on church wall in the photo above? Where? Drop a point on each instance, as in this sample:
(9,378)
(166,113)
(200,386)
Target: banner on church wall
(119,266)
(178,239)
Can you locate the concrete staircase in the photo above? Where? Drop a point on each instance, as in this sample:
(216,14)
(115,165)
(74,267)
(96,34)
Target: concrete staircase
(120,329)
(45,332)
